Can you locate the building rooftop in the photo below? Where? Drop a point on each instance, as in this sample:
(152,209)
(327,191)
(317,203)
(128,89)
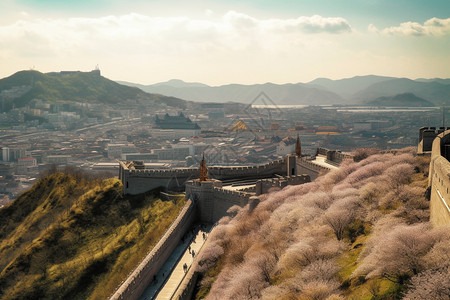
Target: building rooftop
(175,122)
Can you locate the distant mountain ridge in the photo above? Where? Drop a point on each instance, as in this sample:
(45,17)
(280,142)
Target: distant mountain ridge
(281,94)
(401,100)
(435,92)
(349,86)
(355,90)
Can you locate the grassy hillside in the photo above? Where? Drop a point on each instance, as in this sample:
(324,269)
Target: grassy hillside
(86,87)
(70,237)
(359,232)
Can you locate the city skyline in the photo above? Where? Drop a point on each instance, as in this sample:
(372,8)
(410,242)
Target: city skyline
(218,42)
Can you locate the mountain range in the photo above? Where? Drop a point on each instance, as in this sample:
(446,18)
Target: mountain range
(356,90)
(20,88)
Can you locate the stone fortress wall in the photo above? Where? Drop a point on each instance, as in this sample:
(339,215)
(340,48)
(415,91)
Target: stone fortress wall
(439,178)
(307,167)
(334,157)
(214,201)
(136,181)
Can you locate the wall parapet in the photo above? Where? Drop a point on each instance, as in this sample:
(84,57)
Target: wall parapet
(439,180)
(311,165)
(308,167)
(334,157)
(225,192)
(426,138)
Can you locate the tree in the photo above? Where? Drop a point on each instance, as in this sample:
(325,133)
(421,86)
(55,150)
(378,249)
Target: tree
(338,220)
(398,254)
(399,174)
(341,214)
(430,284)
(292,239)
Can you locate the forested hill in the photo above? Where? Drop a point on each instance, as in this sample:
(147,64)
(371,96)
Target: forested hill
(85,87)
(74,237)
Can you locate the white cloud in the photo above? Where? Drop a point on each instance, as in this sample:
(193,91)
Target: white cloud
(209,12)
(432,27)
(213,48)
(314,24)
(133,34)
(372,29)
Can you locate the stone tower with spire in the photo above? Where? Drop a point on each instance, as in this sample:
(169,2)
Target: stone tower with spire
(203,170)
(298,147)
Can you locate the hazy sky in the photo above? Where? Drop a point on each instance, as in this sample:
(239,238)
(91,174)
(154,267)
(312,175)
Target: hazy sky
(227,41)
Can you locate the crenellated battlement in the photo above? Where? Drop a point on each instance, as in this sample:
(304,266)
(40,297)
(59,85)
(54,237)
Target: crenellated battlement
(426,138)
(218,192)
(313,166)
(162,172)
(308,167)
(334,157)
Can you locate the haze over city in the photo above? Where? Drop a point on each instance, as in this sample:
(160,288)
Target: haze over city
(221,42)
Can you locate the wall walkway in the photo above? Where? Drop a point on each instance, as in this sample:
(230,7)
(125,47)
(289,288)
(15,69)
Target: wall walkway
(178,273)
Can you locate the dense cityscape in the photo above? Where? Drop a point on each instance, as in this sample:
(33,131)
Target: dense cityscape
(94,137)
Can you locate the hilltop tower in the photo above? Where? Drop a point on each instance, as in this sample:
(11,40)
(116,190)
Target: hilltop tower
(298,147)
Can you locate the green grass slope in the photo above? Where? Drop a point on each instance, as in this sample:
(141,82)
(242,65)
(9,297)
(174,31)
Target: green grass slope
(69,237)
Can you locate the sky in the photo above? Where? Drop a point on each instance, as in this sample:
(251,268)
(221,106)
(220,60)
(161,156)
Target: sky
(220,42)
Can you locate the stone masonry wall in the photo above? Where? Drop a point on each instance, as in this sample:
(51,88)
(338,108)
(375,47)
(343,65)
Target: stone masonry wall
(224,199)
(212,200)
(307,167)
(334,157)
(426,138)
(439,181)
